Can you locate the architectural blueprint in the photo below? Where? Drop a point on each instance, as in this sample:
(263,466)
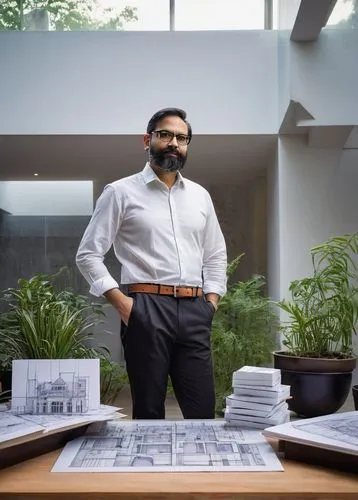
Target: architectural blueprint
(167,446)
(12,427)
(337,432)
(18,426)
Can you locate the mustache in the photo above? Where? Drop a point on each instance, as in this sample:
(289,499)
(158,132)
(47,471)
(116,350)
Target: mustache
(168,151)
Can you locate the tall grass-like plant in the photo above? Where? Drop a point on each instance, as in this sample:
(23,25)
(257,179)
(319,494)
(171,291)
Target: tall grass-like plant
(323,308)
(244,331)
(43,323)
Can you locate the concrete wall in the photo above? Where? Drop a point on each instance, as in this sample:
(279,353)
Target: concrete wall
(284,80)
(110,82)
(317,199)
(241,210)
(273,228)
(317,196)
(324,77)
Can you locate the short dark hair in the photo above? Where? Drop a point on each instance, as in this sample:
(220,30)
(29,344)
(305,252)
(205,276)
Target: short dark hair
(163,113)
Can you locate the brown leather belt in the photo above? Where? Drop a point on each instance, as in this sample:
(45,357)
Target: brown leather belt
(176,291)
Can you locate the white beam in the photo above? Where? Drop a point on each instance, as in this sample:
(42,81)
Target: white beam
(312,16)
(296,113)
(334,137)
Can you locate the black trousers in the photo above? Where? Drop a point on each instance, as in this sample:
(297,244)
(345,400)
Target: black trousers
(169,336)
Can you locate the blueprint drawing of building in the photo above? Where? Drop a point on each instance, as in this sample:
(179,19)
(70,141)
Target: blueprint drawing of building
(46,387)
(151,446)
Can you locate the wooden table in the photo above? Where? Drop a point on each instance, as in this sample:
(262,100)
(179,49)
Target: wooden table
(33,480)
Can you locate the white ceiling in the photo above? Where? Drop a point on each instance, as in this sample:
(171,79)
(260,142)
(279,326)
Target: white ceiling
(108,157)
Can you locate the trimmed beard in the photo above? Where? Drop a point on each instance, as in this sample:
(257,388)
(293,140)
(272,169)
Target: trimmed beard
(162,160)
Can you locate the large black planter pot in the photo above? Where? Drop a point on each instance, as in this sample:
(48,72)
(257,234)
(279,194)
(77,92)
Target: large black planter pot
(315,394)
(318,386)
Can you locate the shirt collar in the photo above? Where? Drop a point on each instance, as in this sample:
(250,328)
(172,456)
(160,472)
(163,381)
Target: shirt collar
(149,175)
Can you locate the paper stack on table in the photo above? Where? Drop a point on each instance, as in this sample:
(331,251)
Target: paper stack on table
(259,398)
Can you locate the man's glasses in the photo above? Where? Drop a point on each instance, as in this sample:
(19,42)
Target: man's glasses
(166,136)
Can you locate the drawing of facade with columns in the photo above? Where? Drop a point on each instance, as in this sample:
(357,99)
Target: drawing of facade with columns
(67,394)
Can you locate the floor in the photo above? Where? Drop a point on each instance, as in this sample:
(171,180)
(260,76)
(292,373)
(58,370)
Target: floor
(172,410)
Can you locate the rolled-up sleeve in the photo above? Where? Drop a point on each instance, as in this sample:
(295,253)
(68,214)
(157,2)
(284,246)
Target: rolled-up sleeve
(214,255)
(97,240)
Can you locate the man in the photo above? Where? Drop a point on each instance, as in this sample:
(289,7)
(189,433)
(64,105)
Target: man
(166,235)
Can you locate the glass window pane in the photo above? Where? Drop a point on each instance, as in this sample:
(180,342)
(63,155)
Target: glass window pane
(152,15)
(344,15)
(219,14)
(88,15)
(46,197)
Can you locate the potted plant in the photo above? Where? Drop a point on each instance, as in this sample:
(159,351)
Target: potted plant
(244,331)
(318,333)
(45,322)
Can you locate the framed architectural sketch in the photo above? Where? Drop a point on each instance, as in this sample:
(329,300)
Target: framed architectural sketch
(55,386)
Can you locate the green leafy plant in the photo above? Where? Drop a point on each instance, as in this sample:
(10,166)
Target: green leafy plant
(113,378)
(244,331)
(43,323)
(323,308)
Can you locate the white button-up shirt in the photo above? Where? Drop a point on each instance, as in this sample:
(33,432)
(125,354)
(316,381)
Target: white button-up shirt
(159,235)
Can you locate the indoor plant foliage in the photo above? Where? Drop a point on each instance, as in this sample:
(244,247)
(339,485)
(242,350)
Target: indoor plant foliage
(113,378)
(244,331)
(323,309)
(318,332)
(43,323)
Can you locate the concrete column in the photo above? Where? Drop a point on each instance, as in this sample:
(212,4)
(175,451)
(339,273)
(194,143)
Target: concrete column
(258,226)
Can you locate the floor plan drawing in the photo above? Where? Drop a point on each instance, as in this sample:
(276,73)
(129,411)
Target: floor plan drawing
(166,446)
(62,386)
(18,426)
(12,427)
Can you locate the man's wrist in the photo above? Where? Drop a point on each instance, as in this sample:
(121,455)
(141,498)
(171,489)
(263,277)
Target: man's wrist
(214,297)
(214,304)
(116,298)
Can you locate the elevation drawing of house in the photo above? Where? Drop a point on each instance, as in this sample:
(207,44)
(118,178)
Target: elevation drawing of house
(67,394)
(55,387)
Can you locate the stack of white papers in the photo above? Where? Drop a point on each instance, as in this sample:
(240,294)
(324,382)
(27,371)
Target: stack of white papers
(259,398)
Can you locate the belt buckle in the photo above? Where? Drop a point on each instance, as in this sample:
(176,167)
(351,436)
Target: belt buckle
(175,291)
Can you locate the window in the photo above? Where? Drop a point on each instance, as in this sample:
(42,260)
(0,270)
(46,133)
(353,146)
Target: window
(46,197)
(153,15)
(344,15)
(137,15)
(219,14)
(56,407)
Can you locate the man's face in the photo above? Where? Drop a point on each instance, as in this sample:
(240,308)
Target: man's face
(167,144)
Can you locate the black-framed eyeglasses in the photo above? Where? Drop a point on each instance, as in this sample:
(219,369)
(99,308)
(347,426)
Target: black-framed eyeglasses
(166,136)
